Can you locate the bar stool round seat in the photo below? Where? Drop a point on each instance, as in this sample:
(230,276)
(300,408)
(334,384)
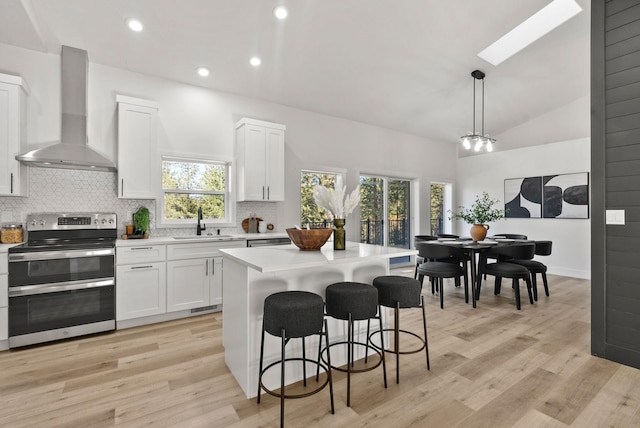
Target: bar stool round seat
(400,292)
(292,315)
(354,301)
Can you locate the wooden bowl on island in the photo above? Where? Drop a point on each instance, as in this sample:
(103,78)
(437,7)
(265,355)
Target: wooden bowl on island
(309,239)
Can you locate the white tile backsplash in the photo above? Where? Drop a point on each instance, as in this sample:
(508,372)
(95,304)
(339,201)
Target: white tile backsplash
(66,190)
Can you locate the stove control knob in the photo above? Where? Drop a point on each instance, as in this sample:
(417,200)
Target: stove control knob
(95,221)
(42,222)
(104,220)
(110,221)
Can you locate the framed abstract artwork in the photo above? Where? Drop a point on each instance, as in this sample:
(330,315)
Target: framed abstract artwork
(565,195)
(523,197)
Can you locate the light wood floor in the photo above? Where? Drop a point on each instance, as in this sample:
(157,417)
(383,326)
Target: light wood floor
(490,367)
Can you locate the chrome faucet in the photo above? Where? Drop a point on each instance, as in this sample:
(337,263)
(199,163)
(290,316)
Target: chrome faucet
(200,228)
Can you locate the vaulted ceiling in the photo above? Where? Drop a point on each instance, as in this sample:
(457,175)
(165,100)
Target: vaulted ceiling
(399,64)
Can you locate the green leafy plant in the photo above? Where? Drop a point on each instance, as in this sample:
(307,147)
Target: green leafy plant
(141,221)
(481,212)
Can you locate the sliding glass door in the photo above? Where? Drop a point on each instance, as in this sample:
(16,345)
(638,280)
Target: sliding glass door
(385,212)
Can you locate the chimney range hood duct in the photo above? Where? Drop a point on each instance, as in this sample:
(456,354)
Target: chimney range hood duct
(72,151)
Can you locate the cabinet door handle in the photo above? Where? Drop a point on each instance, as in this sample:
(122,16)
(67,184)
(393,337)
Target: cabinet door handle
(263,193)
(213,267)
(140,248)
(141,267)
(12,183)
(206,267)
(122,187)
(268,193)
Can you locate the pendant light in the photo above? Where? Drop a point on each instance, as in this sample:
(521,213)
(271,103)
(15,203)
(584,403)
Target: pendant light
(471,139)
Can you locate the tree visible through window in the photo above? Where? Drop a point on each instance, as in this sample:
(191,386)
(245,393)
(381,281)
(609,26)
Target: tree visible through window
(188,185)
(437,208)
(310,212)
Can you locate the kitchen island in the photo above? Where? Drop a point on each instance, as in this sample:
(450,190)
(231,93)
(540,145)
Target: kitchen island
(252,274)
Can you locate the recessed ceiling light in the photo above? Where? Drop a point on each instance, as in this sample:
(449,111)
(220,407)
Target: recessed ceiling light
(280,12)
(134,25)
(255,61)
(542,22)
(203,71)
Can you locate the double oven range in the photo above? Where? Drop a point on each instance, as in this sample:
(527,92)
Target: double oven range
(62,280)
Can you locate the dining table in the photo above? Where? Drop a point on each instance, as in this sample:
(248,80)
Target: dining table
(475,252)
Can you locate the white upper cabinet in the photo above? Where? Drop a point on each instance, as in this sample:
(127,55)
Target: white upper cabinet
(260,160)
(138,163)
(13,134)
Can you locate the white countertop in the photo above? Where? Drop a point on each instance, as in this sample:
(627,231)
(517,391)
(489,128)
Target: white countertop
(288,257)
(5,247)
(163,240)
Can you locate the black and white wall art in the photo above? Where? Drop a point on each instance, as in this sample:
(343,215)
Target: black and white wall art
(566,195)
(523,197)
(549,196)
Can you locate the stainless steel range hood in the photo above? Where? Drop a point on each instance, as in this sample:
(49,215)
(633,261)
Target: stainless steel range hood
(72,152)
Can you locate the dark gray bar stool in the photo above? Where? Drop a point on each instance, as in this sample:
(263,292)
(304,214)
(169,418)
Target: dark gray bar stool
(290,315)
(354,301)
(399,292)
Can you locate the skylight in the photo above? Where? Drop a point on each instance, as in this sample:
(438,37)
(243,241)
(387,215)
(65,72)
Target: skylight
(542,22)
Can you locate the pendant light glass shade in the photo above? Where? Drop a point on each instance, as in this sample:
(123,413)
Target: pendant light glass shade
(472,139)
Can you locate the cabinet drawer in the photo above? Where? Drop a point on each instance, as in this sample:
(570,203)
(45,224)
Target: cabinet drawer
(4,260)
(4,290)
(140,254)
(200,249)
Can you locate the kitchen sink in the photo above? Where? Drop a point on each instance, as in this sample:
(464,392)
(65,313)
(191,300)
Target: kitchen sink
(207,237)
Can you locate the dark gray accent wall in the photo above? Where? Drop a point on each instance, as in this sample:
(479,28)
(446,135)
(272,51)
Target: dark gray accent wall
(615,173)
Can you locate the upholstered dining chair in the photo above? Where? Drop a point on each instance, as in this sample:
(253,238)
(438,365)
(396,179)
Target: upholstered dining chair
(443,261)
(543,248)
(515,236)
(419,258)
(504,269)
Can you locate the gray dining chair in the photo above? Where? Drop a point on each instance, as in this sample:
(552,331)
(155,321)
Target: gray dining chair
(419,258)
(543,248)
(443,261)
(504,269)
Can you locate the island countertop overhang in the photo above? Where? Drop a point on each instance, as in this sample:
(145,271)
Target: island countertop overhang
(288,257)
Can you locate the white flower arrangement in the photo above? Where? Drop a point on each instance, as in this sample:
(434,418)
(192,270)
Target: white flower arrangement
(334,202)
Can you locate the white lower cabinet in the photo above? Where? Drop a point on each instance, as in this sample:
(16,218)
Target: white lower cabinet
(141,290)
(158,281)
(194,274)
(141,281)
(215,282)
(194,283)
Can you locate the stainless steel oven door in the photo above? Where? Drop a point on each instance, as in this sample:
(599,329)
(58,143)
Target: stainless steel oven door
(41,313)
(47,267)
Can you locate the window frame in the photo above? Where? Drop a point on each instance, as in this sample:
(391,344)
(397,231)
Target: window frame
(228,194)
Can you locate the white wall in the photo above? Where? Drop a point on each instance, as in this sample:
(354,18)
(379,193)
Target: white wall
(201,121)
(486,172)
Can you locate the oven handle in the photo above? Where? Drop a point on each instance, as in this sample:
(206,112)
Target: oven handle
(29,290)
(48,255)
